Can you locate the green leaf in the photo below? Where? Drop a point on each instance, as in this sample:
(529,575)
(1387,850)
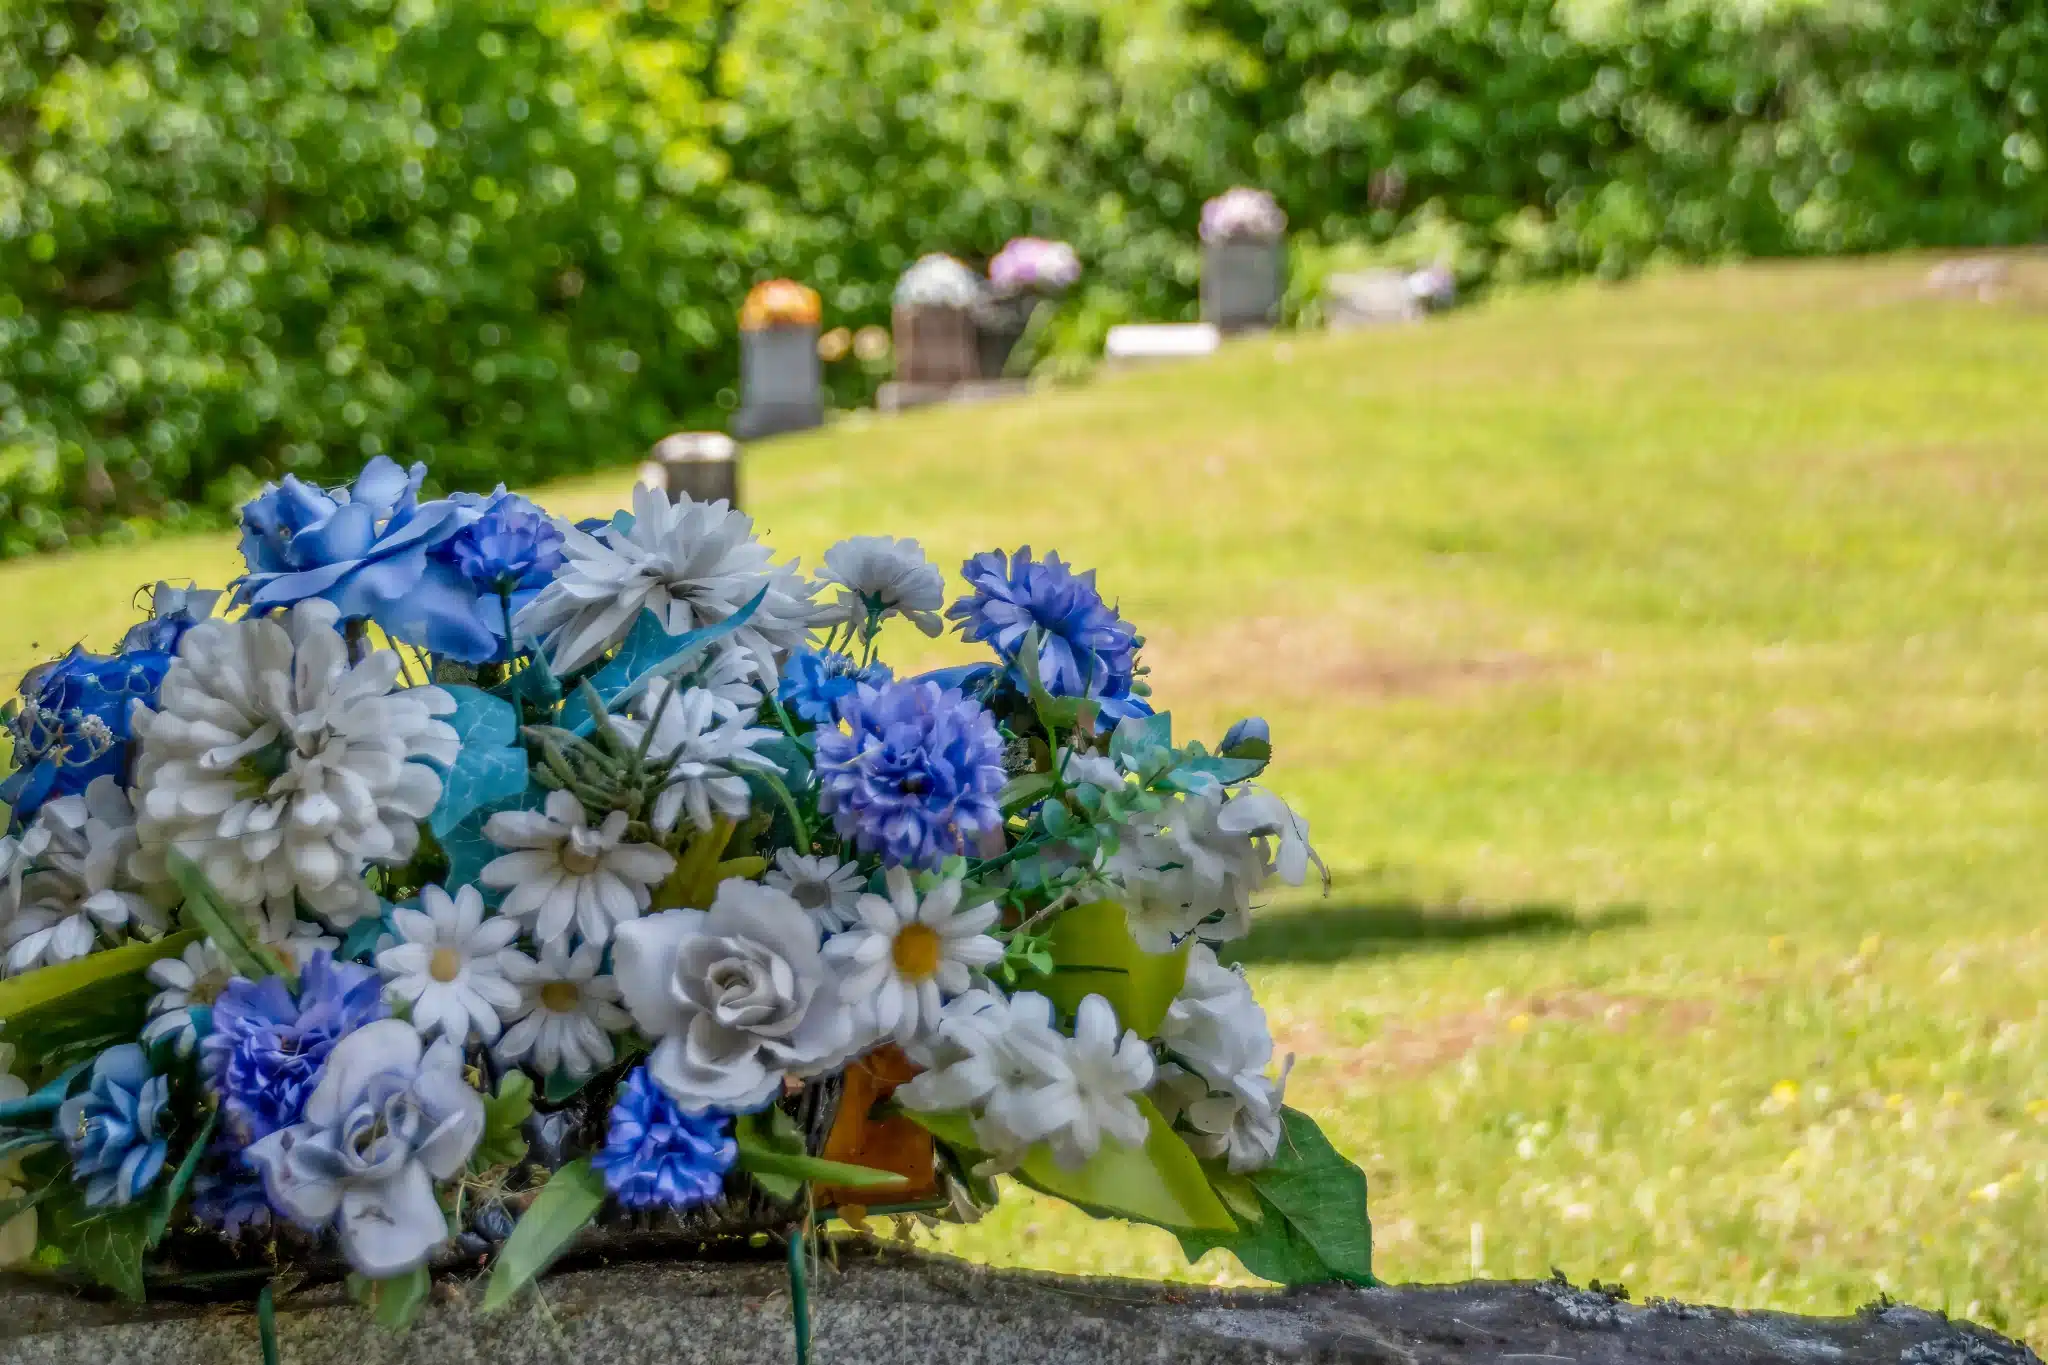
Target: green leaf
(395,1302)
(166,1204)
(567,1203)
(1023,790)
(47,986)
(1161,1183)
(561,1086)
(1093,953)
(1316,1226)
(502,1143)
(106,1244)
(207,913)
(492,766)
(24,1142)
(772,1151)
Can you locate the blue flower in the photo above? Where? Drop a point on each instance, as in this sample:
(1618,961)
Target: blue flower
(74,724)
(655,1156)
(507,555)
(227,1195)
(913,775)
(113,1128)
(265,1050)
(366,549)
(173,611)
(814,682)
(1085,648)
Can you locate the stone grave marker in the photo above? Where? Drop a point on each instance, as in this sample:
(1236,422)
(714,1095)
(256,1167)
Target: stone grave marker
(701,465)
(781,377)
(1243,260)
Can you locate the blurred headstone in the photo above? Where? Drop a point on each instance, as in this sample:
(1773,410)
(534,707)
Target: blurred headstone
(1980,276)
(703,466)
(1026,280)
(1369,298)
(1135,343)
(933,321)
(781,381)
(1244,250)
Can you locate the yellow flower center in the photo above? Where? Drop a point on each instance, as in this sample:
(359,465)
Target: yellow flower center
(445,964)
(917,952)
(561,997)
(577,863)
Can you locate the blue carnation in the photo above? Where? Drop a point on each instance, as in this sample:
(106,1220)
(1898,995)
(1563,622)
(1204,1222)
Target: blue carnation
(656,1156)
(114,1128)
(500,561)
(367,549)
(814,682)
(74,723)
(264,1051)
(914,774)
(1085,648)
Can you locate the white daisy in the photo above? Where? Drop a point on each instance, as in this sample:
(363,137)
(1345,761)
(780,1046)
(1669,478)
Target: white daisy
(1109,1073)
(279,767)
(691,563)
(567,1011)
(450,965)
(195,977)
(828,889)
(78,891)
(879,577)
(706,748)
(562,869)
(908,956)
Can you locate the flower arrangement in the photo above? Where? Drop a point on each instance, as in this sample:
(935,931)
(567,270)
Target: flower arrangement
(482,882)
(938,281)
(1243,214)
(1034,265)
(780,303)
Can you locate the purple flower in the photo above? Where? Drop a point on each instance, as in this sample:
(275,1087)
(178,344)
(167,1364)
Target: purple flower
(814,682)
(914,775)
(227,1195)
(74,723)
(1034,263)
(1243,214)
(265,1050)
(1085,649)
(655,1156)
(366,548)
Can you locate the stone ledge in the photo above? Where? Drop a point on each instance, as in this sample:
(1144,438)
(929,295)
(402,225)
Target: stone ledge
(887,1308)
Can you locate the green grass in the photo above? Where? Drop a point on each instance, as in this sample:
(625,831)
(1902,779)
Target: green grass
(1665,672)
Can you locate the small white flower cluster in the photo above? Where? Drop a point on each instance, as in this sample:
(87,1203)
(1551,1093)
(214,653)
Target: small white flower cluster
(1193,867)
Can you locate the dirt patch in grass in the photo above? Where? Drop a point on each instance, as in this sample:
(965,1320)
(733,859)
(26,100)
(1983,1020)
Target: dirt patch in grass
(1414,1050)
(1268,656)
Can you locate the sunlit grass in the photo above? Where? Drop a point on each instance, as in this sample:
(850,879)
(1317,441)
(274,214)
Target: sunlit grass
(1665,671)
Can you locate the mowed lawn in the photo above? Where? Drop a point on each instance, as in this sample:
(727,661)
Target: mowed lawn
(1664,669)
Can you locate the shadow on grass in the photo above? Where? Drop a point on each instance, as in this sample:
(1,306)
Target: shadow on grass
(1338,932)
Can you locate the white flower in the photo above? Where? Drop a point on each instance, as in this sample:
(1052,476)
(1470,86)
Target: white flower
(563,871)
(567,1011)
(727,674)
(1109,1073)
(827,889)
(879,577)
(1000,1060)
(277,766)
(737,998)
(1194,866)
(279,925)
(79,887)
(1216,1086)
(388,1118)
(18,1237)
(195,977)
(909,955)
(691,563)
(938,281)
(1093,770)
(706,750)
(450,964)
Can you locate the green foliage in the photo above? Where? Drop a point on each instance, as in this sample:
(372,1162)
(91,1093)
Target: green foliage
(105,1244)
(394,1302)
(207,914)
(1312,1224)
(503,1144)
(772,1151)
(568,1202)
(164,1205)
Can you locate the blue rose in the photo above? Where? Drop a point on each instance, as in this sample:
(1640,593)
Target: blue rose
(502,560)
(74,723)
(368,549)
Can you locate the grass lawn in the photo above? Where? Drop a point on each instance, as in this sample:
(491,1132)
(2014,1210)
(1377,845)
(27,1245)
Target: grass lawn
(1665,671)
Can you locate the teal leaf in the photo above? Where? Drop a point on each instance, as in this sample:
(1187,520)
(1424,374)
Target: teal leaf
(564,1206)
(45,1100)
(1207,770)
(1140,734)
(649,653)
(1316,1228)
(491,768)
(468,850)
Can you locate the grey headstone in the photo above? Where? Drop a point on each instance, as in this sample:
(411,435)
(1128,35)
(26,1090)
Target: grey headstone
(781,381)
(1241,284)
(703,465)
(1369,298)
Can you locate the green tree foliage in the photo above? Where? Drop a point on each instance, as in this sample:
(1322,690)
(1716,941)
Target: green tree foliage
(245,237)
